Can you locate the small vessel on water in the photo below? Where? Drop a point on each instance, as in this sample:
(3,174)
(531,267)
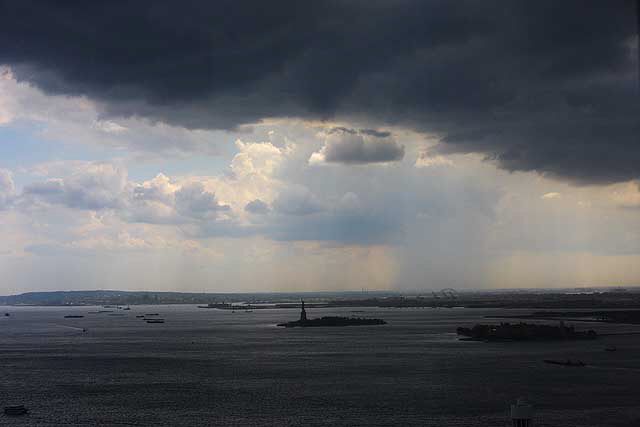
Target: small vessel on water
(151,314)
(567,362)
(212,305)
(15,410)
(73,316)
(612,348)
(140,315)
(155,320)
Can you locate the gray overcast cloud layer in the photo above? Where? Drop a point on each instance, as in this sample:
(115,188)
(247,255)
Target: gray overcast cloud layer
(539,85)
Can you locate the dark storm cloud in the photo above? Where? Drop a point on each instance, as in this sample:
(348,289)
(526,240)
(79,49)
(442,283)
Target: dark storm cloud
(364,146)
(535,85)
(371,132)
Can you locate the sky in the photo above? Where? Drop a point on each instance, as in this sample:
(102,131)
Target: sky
(336,145)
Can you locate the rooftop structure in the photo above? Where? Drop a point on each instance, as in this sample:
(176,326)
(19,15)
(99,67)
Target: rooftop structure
(521,414)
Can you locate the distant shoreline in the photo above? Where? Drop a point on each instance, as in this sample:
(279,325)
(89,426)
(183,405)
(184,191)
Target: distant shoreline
(615,298)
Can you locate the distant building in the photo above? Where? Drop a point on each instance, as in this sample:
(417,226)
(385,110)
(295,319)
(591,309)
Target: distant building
(521,414)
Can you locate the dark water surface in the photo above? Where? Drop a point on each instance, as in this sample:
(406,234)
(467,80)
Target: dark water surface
(212,367)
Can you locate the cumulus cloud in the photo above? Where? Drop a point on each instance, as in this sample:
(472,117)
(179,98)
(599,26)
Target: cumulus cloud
(439,217)
(163,201)
(297,200)
(159,189)
(94,186)
(153,202)
(258,159)
(100,186)
(192,200)
(349,146)
(257,207)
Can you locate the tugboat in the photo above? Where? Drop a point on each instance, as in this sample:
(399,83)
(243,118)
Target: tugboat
(15,411)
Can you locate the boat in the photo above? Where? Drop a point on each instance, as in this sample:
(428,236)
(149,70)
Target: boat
(7,315)
(155,320)
(567,362)
(73,316)
(212,305)
(127,308)
(613,348)
(15,410)
(151,314)
(140,315)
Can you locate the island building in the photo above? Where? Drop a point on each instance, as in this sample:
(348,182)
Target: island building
(521,414)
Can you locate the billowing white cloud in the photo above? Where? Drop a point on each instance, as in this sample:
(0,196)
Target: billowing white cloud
(441,220)
(94,186)
(159,189)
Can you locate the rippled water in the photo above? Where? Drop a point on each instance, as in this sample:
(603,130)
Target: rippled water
(212,367)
